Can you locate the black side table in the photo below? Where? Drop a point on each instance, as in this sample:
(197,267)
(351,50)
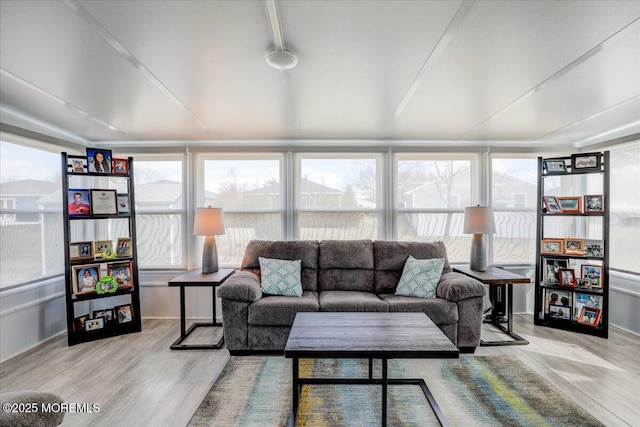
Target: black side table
(196,278)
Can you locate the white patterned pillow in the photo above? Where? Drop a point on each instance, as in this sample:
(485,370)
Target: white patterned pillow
(280,277)
(420,277)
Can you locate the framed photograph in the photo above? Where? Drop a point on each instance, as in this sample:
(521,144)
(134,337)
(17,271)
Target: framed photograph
(123,204)
(574,246)
(560,312)
(555,166)
(94,324)
(567,277)
(585,161)
(85,278)
(99,160)
(585,300)
(551,204)
(554,297)
(552,270)
(593,203)
(124,249)
(590,316)
(104,202)
(583,283)
(121,272)
(124,313)
(552,246)
(79,202)
(78,322)
(102,246)
(80,250)
(594,248)
(593,273)
(77,164)
(121,166)
(570,204)
(106,314)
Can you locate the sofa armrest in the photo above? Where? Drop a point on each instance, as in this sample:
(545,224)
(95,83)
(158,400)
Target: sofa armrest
(242,286)
(457,287)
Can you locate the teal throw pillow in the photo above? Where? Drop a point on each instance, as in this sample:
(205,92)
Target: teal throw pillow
(280,277)
(420,277)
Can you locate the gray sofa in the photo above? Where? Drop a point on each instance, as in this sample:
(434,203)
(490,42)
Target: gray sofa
(338,275)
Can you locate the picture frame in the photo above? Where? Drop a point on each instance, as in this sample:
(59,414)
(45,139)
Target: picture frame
(555,166)
(552,270)
(593,203)
(94,324)
(77,164)
(590,316)
(124,313)
(102,246)
(78,322)
(574,246)
(124,247)
(106,313)
(560,312)
(85,278)
(586,161)
(104,202)
(79,202)
(567,277)
(594,248)
(585,300)
(570,204)
(552,246)
(122,272)
(551,204)
(583,283)
(99,160)
(556,297)
(79,251)
(593,273)
(123,204)
(120,167)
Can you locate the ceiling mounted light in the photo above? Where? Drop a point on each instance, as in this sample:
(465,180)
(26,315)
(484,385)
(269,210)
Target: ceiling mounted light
(281,59)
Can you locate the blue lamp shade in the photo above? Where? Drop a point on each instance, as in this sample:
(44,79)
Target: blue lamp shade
(209,222)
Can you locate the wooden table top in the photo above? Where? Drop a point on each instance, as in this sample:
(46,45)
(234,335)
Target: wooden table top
(367,335)
(196,278)
(493,275)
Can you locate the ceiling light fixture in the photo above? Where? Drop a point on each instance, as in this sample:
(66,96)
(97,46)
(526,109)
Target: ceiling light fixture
(280,58)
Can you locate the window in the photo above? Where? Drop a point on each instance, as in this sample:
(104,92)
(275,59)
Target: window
(338,197)
(250,191)
(624,230)
(431,192)
(160,211)
(31,236)
(514,194)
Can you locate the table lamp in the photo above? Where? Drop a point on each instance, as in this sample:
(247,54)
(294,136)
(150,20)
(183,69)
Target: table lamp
(209,222)
(478,221)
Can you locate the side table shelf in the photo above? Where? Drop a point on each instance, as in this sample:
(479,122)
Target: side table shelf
(197,279)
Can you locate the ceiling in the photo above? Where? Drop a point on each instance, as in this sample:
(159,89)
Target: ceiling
(504,72)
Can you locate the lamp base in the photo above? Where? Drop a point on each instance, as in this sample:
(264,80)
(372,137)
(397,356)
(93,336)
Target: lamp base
(478,260)
(209,255)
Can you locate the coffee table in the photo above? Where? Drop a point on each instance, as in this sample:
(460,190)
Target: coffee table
(370,336)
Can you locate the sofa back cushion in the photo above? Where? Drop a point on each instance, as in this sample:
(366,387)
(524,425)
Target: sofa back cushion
(346,265)
(390,257)
(304,250)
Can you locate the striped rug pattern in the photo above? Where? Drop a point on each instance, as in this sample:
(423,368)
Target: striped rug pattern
(472,391)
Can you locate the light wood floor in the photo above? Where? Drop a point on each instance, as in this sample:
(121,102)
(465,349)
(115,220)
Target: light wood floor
(138,381)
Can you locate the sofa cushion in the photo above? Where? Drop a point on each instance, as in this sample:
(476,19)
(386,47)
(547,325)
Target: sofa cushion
(280,311)
(439,310)
(420,277)
(351,301)
(389,259)
(280,277)
(304,250)
(345,265)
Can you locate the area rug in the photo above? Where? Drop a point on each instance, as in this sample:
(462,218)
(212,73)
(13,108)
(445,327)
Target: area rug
(472,391)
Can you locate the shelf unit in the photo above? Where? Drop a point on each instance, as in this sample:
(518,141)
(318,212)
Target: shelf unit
(584,225)
(82,231)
